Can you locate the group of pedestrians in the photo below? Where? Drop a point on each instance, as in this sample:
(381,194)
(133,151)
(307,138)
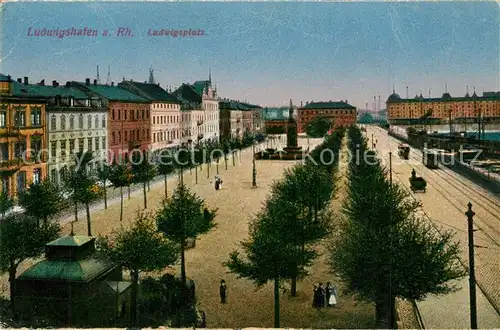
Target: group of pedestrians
(324,296)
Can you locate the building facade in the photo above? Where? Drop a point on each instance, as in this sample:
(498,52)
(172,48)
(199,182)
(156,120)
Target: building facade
(231,120)
(200,111)
(22,136)
(340,113)
(165,119)
(444,110)
(129,122)
(76,123)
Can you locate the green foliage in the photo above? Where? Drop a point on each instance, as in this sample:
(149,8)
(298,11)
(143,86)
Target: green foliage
(6,202)
(139,248)
(384,248)
(43,200)
(143,169)
(165,164)
(365,118)
(81,185)
(103,173)
(120,175)
(318,127)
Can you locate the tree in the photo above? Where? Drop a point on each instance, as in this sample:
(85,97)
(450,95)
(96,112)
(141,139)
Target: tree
(365,118)
(165,167)
(184,216)
(384,249)
(5,203)
(269,256)
(103,175)
(140,248)
(43,200)
(318,127)
(143,171)
(22,238)
(120,176)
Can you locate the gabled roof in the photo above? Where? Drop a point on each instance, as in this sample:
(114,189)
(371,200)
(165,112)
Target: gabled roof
(70,241)
(32,90)
(66,270)
(328,105)
(187,93)
(112,93)
(152,91)
(200,84)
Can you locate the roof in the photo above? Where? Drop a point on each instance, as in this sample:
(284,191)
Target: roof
(4,78)
(35,90)
(66,270)
(200,84)
(188,93)
(153,91)
(447,97)
(113,93)
(70,241)
(235,105)
(119,286)
(328,105)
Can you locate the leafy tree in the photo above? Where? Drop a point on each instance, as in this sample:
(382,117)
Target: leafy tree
(22,238)
(269,256)
(140,248)
(184,216)
(43,200)
(318,127)
(165,167)
(6,202)
(384,248)
(103,175)
(143,171)
(120,176)
(365,118)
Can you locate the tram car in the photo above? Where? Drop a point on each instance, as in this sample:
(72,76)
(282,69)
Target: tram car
(404,151)
(430,158)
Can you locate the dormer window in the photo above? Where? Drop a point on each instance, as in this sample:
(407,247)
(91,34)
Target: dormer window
(58,100)
(87,102)
(71,101)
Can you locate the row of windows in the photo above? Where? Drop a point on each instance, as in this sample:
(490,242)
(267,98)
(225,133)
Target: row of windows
(165,136)
(326,112)
(62,122)
(132,135)
(19,119)
(131,114)
(165,119)
(20,180)
(187,117)
(66,147)
(18,149)
(165,106)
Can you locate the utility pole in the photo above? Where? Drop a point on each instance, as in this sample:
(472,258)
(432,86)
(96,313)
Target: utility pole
(472,277)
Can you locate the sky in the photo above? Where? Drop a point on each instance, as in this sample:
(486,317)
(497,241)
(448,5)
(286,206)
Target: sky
(267,52)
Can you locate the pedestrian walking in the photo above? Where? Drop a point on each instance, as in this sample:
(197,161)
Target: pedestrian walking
(321,296)
(333,298)
(315,296)
(222,291)
(328,292)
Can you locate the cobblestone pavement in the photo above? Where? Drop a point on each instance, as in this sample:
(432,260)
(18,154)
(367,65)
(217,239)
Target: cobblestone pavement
(445,203)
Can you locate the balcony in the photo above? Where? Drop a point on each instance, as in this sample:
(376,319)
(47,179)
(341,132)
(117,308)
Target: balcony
(199,122)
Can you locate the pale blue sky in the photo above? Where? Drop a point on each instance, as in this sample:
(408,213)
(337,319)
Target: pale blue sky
(268,52)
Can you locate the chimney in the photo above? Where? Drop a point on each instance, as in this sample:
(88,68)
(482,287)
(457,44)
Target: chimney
(95,81)
(20,80)
(57,83)
(87,81)
(54,83)
(301,104)
(26,80)
(68,83)
(112,83)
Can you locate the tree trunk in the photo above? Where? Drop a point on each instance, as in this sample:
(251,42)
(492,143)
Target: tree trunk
(183,261)
(182,175)
(133,297)
(121,203)
(386,312)
(196,175)
(190,170)
(105,197)
(208,170)
(233,157)
(128,192)
(89,228)
(225,161)
(149,186)
(277,303)
(76,211)
(12,282)
(145,195)
(165,181)
(293,287)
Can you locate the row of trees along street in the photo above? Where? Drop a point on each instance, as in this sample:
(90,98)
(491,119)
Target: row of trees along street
(384,249)
(183,216)
(293,219)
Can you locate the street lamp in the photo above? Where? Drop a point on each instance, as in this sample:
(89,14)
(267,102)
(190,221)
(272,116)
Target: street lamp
(254,171)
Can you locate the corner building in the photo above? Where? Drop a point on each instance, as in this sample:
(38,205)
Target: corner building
(340,113)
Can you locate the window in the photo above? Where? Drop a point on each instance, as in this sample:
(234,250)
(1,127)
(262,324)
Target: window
(4,152)
(113,114)
(21,181)
(113,138)
(36,116)
(80,121)
(81,144)
(96,122)
(53,148)
(3,117)
(63,148)
(19,149)
(103,121)
(126,135)
(5,185)
(119,114)
(71,146)
(53,175)
(154,137)
(37,174)
(119,137)
(89,144)
(20,117)
(97,144)
(125,115)
(143,116)
(36,145)
(89,121)
(63,122)
(103,143)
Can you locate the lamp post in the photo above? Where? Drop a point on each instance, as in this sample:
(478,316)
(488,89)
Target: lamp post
(472,276)
(390,167)
(254,171)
